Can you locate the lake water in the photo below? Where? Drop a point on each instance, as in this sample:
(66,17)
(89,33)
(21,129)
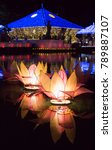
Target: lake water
(18,115)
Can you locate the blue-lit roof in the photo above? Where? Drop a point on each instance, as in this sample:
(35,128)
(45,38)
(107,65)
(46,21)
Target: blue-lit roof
(40,18)
(88,30)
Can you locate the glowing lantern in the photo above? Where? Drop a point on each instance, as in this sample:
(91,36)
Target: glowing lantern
(10,72)
(61,120)
(61,89)
(30,77)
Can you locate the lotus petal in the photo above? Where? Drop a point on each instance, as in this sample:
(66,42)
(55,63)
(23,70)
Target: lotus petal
(63,75)
(13,68)
(24,112)
(42,65)
(68,94)
(25,102)
(57,85)
(24,70)
(56,129)
(45,68)
(44,116)
(82,90)
(45,81)
(50,94)
(65,120)
(38,68)
(71,82)
(71,133)
(36,102)
(33,103)
(19,78)
(32,69)
(18,70)
(20,98)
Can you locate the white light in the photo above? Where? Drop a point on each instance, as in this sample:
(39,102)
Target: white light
(1,75)
(34,15)
(60,102)
(1,26)
(31,87)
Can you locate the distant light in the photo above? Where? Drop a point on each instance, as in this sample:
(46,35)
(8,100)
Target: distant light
(1,26)
(1,74)
(93,69)
(84,66)
(34,15)
(52,16)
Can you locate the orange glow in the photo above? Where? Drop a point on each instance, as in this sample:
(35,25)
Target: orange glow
(30,77)
(31,102)
(61,120)
(59,88)
(56,86)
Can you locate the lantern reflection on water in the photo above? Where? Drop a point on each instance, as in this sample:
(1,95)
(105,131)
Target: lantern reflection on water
(61,120)
(31,102)
(30,77)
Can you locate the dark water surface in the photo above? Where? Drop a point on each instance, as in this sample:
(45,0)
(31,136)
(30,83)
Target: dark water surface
(18,133)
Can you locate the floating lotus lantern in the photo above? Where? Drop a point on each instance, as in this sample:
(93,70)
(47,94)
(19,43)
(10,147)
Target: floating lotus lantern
(10,71)
(61,120)
(61,89)
(30,77)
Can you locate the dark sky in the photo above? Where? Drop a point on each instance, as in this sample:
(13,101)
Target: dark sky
(81,12)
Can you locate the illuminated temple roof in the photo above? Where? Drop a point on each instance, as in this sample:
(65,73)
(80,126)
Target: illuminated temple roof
(40,18)
(88,30)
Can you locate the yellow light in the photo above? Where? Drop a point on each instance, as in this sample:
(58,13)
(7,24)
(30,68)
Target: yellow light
(30,76)
(60,102)
(52,16)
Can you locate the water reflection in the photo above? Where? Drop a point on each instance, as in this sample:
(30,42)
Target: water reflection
(29,101)
(62,119)
(54,61)
(1,74)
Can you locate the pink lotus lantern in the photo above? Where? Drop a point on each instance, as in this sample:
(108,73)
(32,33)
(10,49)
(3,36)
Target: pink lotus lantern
(10,72)
(61,120)
(30,77)
(61,89)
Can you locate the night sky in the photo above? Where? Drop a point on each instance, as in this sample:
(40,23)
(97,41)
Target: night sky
(81,12)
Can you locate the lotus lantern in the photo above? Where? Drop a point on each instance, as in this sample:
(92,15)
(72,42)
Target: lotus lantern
(59,88)
(30,76)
